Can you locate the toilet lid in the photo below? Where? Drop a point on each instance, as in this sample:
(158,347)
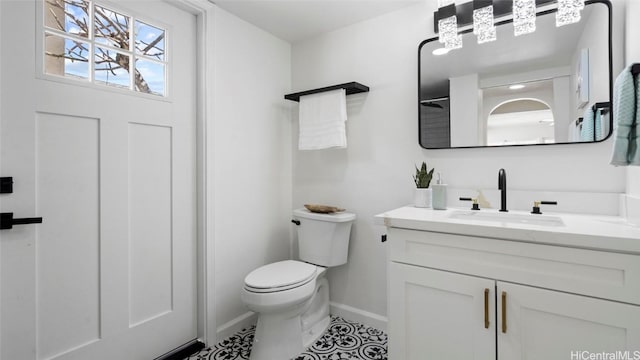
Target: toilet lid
(280,274)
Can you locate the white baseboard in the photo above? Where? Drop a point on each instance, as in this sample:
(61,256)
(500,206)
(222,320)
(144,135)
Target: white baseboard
(241,322)
(364,317)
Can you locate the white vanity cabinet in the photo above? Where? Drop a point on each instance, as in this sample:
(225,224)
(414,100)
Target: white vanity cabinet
(546,324)
(439,315)
(464,297)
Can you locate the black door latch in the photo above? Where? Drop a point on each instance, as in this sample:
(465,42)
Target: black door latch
(7,221)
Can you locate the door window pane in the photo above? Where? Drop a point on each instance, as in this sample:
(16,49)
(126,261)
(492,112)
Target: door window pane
(66,57)
(150,77)
(111,67)
(149,40)
(70,16)
(111,28)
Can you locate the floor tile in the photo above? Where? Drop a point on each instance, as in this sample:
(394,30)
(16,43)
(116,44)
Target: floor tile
(344,339)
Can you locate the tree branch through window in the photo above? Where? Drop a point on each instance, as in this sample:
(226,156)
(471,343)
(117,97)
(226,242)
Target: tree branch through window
(109,28)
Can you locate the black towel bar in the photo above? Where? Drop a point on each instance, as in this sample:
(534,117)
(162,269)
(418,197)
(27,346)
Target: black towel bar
(351,88)
(635,69)
(604,107)
(601,105)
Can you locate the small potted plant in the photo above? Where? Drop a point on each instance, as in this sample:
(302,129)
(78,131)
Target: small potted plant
(422,178)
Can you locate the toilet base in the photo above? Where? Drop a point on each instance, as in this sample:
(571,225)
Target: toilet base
(311,335)
(277,337)
(315,319)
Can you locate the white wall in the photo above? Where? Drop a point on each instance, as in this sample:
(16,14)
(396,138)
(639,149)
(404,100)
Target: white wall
(250,156)
(525,127)
(561,108)
(465,107)
(374,173)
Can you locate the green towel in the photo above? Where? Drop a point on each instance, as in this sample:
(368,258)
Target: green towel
(634,134)
(626,118)
(591,129)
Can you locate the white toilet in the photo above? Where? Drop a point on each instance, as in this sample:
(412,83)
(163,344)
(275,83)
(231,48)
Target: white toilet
(292,297)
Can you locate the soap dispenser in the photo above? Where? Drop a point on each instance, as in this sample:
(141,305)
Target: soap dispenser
(439,199)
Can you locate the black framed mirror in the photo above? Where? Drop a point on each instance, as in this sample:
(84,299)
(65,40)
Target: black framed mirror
(552,86)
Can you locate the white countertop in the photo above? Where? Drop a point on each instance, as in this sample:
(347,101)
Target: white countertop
(610,233)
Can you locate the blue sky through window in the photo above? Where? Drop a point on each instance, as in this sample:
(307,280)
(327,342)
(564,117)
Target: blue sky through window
(75,17)
(108,69)
(106,49)
(153,73)
(76,67)
(149,40)
(111,28)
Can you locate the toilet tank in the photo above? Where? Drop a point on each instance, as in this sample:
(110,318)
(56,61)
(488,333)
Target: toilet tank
(323,239)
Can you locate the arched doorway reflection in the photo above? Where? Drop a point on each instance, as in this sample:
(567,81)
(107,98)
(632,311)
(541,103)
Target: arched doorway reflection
(520,121)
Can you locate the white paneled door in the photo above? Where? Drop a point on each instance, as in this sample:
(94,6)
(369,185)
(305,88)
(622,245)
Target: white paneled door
(97,130)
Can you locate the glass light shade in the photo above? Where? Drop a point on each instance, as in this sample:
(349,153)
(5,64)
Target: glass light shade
(483,26)
(454,43)
(568,12)
(524,17)
(448,33)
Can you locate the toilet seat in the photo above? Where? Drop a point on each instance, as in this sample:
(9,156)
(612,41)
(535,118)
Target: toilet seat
(280,276)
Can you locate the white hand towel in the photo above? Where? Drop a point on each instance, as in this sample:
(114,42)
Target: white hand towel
(322,120)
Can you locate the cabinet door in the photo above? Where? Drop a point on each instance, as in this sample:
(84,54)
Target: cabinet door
(440,315)
(550,325)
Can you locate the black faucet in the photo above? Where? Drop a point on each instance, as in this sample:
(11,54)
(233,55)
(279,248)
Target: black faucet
(502,186)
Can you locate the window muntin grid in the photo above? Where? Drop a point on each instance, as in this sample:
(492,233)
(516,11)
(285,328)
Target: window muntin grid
(92,42)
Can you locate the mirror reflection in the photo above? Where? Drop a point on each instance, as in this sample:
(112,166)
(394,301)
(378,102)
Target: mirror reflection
(548,87)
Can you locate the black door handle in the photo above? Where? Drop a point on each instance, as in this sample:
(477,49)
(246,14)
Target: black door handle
(7,221)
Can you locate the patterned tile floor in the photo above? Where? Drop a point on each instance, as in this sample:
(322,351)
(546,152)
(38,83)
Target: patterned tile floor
(344,340)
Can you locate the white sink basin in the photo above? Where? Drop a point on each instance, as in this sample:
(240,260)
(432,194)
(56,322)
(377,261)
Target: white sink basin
(498,217)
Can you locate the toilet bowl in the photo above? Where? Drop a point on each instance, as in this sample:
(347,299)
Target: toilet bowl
(291,317)
(292,297)
(277,286)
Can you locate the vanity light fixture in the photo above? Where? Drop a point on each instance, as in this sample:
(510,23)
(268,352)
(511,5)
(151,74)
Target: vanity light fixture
(516,87)
(524,17)
(482,14)
(568,12)
(448,25)
(483,26)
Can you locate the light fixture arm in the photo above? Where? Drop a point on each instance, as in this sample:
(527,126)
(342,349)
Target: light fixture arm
(479,4)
